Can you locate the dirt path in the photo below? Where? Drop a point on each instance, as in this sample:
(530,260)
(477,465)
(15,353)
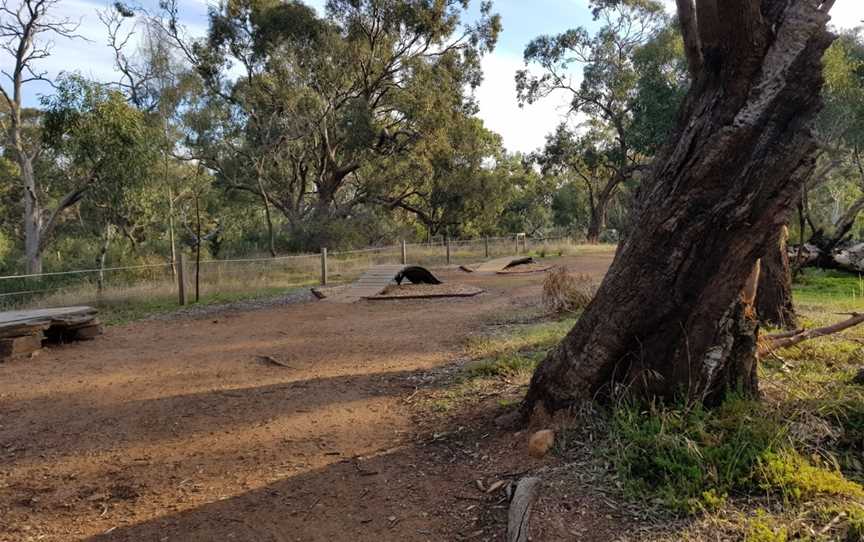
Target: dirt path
(179,430)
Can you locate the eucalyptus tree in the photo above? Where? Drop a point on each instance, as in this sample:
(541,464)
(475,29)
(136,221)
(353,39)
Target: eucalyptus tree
(673,316)
(584,160)
(100,142)
(450,181)
(321,96)
(26,30)
(841,127)
(609,91)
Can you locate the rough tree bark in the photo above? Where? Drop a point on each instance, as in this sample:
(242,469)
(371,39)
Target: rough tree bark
(597,223)
(668,320)
(774,303)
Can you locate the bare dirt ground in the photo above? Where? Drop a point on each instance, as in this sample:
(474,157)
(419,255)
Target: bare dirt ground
(186,430)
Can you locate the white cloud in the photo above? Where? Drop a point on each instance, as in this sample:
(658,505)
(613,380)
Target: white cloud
(523,129)
(847,14)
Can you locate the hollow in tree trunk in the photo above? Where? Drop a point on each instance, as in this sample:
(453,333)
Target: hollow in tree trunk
(774,297)
(669,320)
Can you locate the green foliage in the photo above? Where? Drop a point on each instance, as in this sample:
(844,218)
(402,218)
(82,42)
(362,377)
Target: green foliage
(691,457)
(384,111)
(798,479)
(764,528)
(820,288)
(105,146)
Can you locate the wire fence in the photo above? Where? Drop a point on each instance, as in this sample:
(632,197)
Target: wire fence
(229,279)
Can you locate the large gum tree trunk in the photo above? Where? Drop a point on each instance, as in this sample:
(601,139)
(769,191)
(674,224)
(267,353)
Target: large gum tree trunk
(668,320)
(774,303)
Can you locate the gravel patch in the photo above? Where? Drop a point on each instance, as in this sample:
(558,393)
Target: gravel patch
(205,311)
(421,291)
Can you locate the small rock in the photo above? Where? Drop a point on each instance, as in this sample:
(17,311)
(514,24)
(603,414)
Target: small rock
(540,442)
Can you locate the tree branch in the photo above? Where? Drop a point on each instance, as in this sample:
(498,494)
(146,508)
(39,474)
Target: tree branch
(690,33)
(769,343)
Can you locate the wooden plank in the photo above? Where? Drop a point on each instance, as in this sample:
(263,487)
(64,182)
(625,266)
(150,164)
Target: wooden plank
(373,281)
(9,317)
(38,321)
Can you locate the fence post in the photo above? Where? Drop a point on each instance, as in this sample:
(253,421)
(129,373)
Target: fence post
(448,249)
(404,253)
(486,245)
(516,237)
(181,279)
(323,267)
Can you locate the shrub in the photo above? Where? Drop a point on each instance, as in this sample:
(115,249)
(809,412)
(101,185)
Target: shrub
(564,292)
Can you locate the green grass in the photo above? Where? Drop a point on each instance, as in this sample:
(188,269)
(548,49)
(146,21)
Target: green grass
(542,335)
(505,358)
(692,459)
(787,467)
(817,289)
(120,311)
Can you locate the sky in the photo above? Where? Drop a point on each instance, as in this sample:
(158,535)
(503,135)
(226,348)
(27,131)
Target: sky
(522,129)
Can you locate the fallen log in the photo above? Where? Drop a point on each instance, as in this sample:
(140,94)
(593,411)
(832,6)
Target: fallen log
(770,343)
(519,261)
(519,514)
(849,258)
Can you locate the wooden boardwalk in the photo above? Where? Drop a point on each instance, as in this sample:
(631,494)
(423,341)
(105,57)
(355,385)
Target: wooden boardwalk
(370,283)
(493,266)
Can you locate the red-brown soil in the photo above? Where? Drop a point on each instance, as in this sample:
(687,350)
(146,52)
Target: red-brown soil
(181,430)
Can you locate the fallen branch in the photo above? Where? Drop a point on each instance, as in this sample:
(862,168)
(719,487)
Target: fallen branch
(769,343)
(273,361)
(519,514)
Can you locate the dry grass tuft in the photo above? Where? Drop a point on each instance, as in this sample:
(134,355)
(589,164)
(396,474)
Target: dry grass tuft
(564,292)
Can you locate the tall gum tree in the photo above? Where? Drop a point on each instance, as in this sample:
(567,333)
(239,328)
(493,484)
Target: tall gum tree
(25,28)
(609,86)
(670,319)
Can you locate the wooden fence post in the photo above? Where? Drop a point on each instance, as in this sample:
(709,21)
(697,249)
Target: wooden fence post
(448,249)
(486,245)
(404,252)
(181,279)
(323,267)
(517,244)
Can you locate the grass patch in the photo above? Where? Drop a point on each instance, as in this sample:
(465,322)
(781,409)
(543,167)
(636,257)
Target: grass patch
(502,364)
(799,479)
(820,289)
(691,459)
(540,336)
(506,365)
(121,311)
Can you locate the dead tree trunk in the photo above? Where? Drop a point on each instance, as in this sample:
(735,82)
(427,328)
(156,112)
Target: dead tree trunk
(668,320)
(774,297)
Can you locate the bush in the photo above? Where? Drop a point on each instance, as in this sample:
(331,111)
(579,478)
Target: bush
(563,292)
